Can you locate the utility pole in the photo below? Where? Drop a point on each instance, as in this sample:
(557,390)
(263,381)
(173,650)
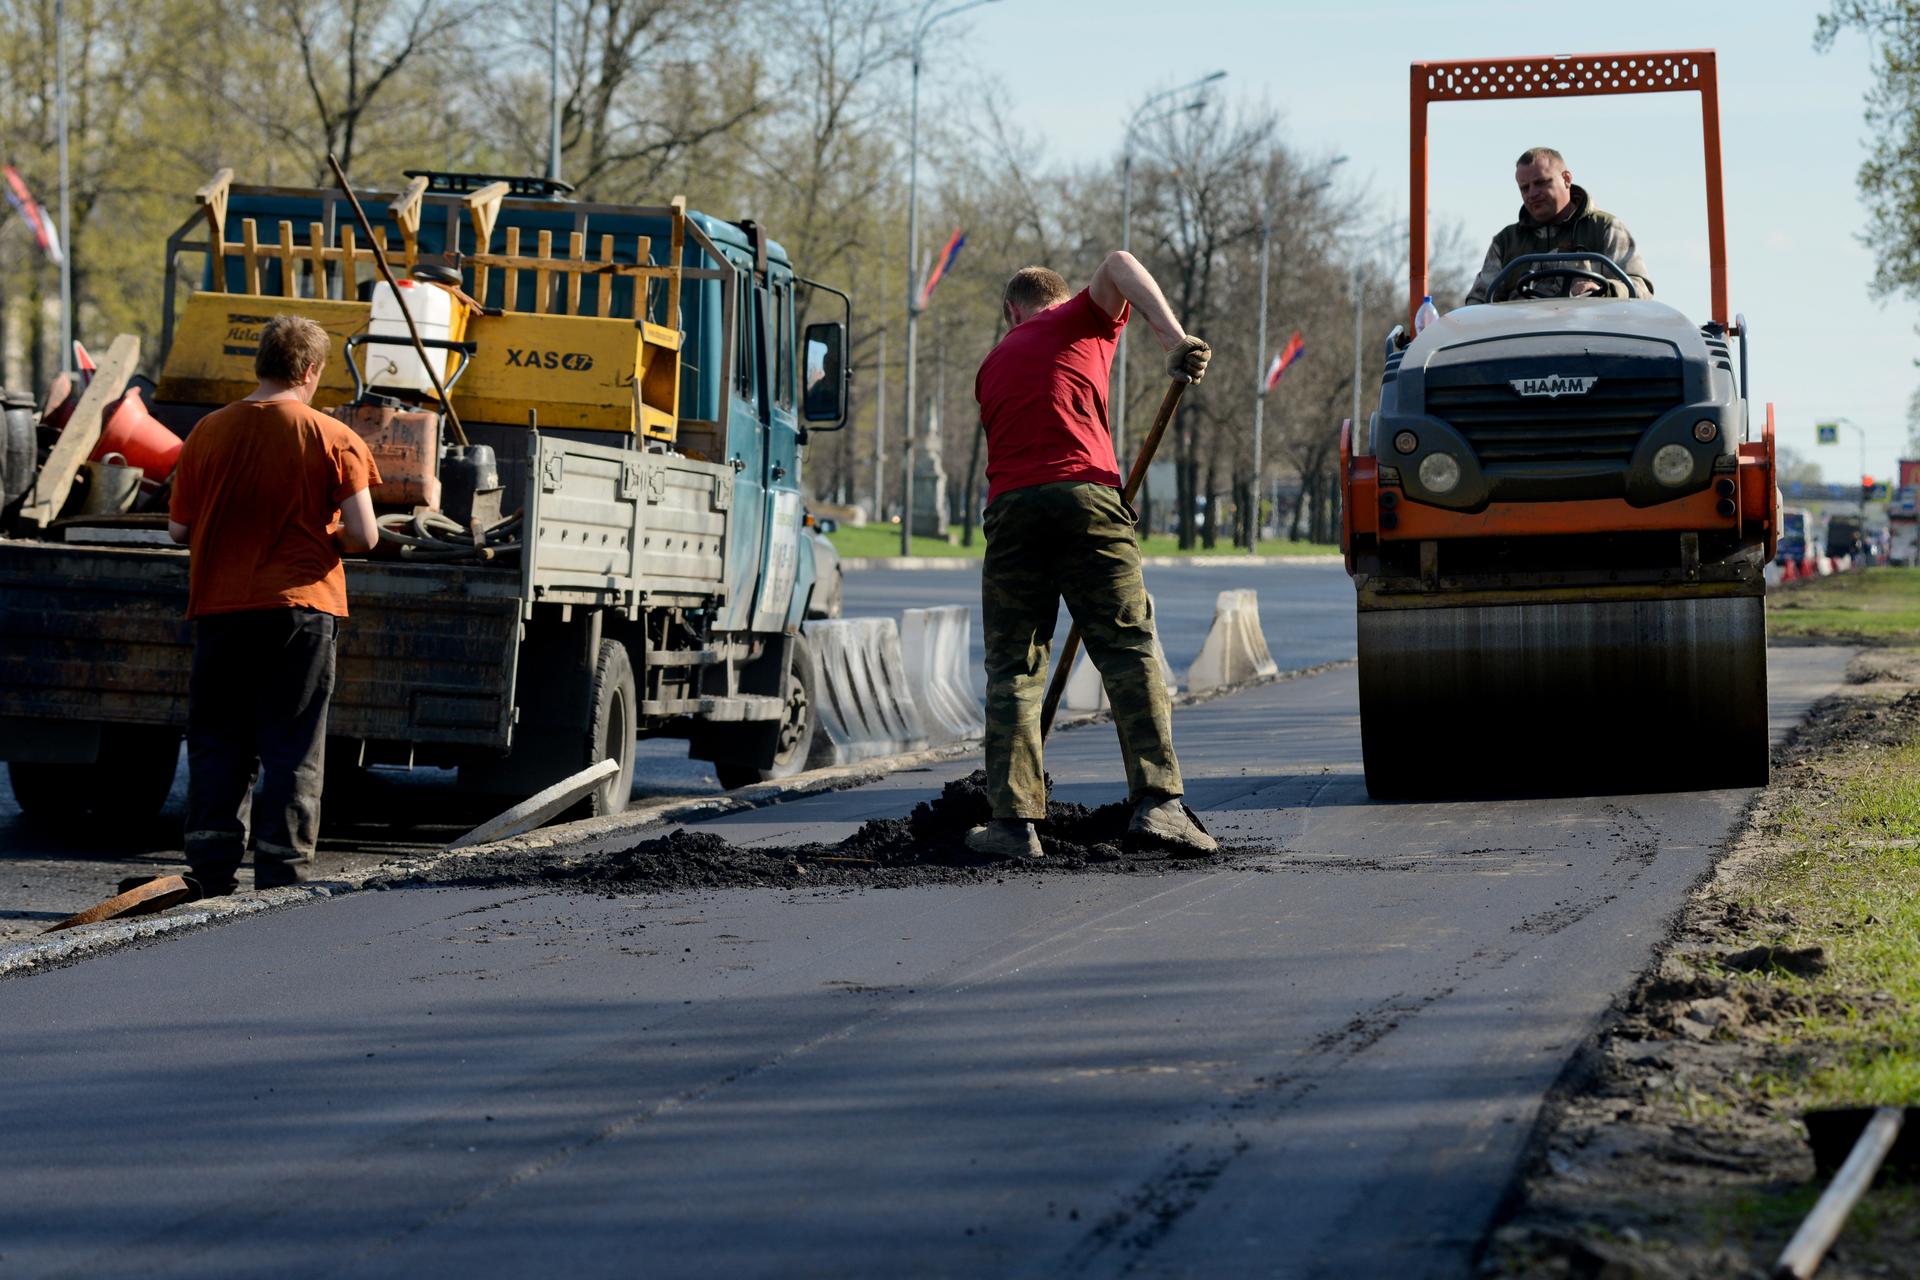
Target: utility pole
(66,200)
(926,21)
(1260,364)
(1359,307)
(1134,124)
(553,96)
(880,432)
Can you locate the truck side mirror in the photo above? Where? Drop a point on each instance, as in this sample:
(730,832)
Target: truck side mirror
(824,406)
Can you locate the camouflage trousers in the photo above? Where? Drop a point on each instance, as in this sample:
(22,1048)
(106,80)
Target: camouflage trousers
(1077,541)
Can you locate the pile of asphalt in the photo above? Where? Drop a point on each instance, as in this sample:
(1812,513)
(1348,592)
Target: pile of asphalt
(926,847)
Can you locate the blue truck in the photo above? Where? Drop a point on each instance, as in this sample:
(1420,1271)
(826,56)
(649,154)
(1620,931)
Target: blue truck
(603,540)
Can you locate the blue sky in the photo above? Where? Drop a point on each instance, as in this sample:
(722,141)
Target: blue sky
(1791,127)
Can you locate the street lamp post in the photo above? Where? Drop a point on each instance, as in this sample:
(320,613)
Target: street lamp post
(66,221)
(927,20)
(1260,366)
(1359,307)
(1861,436)
(553,96)
(1260,352)
(1134,124)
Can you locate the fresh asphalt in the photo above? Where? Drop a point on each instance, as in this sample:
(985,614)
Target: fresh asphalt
(48,874)
(1321,1058)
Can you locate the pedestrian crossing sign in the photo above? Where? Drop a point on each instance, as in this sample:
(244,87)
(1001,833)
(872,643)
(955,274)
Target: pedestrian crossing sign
(1829,432)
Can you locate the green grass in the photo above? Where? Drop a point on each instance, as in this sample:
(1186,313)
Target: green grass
(884,540)
(1879,606)
(1851,882)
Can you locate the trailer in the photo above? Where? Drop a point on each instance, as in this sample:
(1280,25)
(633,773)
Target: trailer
(634,386)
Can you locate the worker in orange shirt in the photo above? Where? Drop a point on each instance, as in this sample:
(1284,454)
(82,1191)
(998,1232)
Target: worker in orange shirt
(268,493)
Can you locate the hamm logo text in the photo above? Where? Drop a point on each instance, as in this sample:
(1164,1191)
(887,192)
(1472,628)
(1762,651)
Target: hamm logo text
(1552,385)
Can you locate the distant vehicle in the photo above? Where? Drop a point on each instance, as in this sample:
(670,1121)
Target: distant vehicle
(1903,527)
(1799,536)
(829,575)
(1846,535)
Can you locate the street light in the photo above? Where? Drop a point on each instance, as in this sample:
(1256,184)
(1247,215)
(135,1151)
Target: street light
(1134,124)
(927,20)
(66,221)
(1861,435)
(1260,343)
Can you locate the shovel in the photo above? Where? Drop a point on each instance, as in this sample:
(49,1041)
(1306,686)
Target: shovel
(1058,685)
(1859,1140)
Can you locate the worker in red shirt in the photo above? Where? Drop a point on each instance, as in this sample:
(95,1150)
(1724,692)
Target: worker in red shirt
(268,493)
(1056,526)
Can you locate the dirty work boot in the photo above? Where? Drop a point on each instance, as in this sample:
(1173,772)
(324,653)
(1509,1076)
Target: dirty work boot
(1165,822)
(1006,838)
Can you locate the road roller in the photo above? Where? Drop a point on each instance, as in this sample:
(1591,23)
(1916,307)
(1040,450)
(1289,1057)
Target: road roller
(1557,518)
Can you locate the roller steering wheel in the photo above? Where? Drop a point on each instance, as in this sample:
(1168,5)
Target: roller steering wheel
(1523,271)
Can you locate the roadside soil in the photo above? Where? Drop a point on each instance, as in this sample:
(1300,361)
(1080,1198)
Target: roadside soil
(1674,1146)
(926,847)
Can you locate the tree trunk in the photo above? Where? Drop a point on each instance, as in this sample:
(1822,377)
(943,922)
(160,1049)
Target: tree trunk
(1186,474)
(973,478)
(1212,536)
(1299,505)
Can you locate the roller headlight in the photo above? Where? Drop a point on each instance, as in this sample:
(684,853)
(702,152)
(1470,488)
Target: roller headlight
(1672,465)
(1439,473)
(1406,442)
(1706,431)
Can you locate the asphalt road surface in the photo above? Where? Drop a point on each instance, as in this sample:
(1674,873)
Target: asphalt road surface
(1320,1059)
(47,875)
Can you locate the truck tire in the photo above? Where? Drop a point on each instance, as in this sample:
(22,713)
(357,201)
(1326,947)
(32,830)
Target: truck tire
(611,726)
(799,743)
(125,787)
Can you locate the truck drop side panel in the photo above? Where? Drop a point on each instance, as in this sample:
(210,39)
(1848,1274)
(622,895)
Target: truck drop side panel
(428,655)
(98,634)
(620,528)
(93,634)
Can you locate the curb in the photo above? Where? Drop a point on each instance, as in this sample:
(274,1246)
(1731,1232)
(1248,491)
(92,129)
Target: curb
(21,958)
(863,563)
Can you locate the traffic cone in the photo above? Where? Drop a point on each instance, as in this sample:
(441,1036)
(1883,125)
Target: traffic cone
(134,433)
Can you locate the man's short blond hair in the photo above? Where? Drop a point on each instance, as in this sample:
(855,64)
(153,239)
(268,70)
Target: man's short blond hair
(1546,155)
(1035,288)
(290,348)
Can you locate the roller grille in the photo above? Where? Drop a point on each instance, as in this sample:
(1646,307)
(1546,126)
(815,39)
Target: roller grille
(1604,425)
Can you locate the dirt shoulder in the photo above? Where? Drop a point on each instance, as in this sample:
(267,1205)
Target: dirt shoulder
(1675,1146)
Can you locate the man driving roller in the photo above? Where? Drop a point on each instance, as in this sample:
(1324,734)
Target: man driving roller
(1558,217)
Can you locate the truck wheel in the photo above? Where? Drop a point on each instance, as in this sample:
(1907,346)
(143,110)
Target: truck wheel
(126,786)
(799,729)
(611,728)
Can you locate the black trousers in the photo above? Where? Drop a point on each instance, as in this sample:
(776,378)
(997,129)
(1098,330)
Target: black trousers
(257,703)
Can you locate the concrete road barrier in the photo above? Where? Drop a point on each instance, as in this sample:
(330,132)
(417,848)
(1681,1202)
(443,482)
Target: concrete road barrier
(1236,649)
(1087,692)
(935,643)
(861,690)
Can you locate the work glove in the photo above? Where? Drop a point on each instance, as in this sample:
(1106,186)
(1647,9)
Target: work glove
(1188,360)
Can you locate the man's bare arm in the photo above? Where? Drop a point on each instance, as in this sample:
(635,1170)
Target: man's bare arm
(1120,279)
(358,530)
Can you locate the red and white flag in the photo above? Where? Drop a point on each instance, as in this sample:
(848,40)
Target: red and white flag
(1284,358)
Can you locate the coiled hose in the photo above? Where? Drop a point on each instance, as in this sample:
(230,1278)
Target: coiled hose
(431,535)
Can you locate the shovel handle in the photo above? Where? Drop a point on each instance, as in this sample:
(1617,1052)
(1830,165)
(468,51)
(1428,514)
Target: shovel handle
(1068,651)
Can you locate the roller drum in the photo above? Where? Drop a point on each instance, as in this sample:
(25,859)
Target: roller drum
(1564,698)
